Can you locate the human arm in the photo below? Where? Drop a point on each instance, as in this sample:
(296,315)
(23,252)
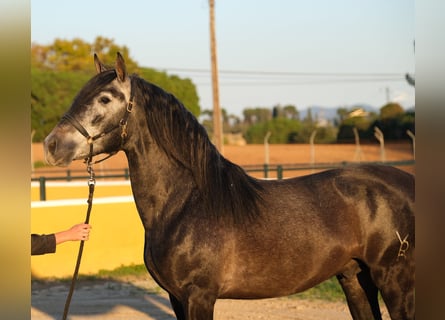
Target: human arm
(43,243)
(46,243)
(79,231)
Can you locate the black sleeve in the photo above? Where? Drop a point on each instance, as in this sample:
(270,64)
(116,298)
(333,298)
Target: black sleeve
(41,244)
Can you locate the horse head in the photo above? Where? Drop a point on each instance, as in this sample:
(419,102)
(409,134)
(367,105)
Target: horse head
(91,125)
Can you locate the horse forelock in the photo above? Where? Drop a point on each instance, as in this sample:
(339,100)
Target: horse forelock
(93,87)
(227,191)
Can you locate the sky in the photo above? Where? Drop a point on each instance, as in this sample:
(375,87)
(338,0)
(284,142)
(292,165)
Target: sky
(305,53)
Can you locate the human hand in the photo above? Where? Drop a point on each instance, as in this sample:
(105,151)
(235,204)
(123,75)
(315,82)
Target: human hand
(80,231)
(77,232)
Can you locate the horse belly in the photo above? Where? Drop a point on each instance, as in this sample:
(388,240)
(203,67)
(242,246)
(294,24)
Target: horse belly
(281,272)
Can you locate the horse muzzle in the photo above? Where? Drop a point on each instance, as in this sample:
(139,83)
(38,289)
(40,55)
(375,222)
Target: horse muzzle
(60,151)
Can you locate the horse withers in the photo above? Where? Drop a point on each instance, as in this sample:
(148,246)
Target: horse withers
(214,232)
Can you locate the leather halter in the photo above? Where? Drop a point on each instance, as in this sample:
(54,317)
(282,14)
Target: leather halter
(90,139)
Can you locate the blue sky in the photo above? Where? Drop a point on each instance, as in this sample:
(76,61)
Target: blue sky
(303,53)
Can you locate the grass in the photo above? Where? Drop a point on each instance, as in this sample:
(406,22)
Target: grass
(123,271)
(131,271)
(40,164)
(328,290)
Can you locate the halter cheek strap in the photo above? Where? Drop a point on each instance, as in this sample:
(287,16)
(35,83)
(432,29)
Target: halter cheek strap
(123,121)
(90,139)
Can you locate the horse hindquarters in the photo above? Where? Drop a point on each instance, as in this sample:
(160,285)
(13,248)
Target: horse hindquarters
(388,214)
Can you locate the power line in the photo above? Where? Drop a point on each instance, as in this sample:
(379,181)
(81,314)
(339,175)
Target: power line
(301,82)
(252,78)
(283,73)
(284,78)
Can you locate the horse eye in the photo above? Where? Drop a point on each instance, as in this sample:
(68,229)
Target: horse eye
(104,100)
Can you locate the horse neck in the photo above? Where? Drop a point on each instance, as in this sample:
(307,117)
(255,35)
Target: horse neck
(160,187)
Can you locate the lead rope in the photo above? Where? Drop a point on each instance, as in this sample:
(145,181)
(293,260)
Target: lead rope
(91,184)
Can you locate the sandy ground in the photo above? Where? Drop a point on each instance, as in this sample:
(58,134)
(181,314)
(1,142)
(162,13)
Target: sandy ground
(142,299)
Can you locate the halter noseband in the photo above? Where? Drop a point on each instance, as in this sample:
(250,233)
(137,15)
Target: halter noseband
(90,139)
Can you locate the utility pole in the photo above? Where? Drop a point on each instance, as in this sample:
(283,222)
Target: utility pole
(217,123)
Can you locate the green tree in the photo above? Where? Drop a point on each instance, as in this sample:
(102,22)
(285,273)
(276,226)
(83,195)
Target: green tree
(51,95)
(358,118)
(342,114)
(76,54)
(183,89)
(256,115)
(394,121)
(326,134)
(287,111)
(390,111)
(291,112)
(283,131)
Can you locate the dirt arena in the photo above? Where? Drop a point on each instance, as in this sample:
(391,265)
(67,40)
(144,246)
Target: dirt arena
(136,298)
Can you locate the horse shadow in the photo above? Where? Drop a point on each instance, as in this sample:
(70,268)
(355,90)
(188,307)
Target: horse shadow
(104,298)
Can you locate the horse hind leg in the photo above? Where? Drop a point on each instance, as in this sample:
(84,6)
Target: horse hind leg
(360,291)
(398,290)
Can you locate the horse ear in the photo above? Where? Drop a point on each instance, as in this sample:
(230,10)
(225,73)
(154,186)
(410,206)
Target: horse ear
(120,67)
(99,66)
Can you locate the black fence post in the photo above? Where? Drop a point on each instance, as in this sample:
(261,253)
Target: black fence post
(279,172)
(266,170)
(68,175)
(42,182)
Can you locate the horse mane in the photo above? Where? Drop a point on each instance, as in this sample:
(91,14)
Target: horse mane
(225,188)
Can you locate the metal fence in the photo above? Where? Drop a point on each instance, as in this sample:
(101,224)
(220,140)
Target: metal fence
(268,170)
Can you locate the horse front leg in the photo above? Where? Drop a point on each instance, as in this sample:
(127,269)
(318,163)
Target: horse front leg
(177,307)
(200,304)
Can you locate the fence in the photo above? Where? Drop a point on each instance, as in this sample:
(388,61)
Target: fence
(267,169)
